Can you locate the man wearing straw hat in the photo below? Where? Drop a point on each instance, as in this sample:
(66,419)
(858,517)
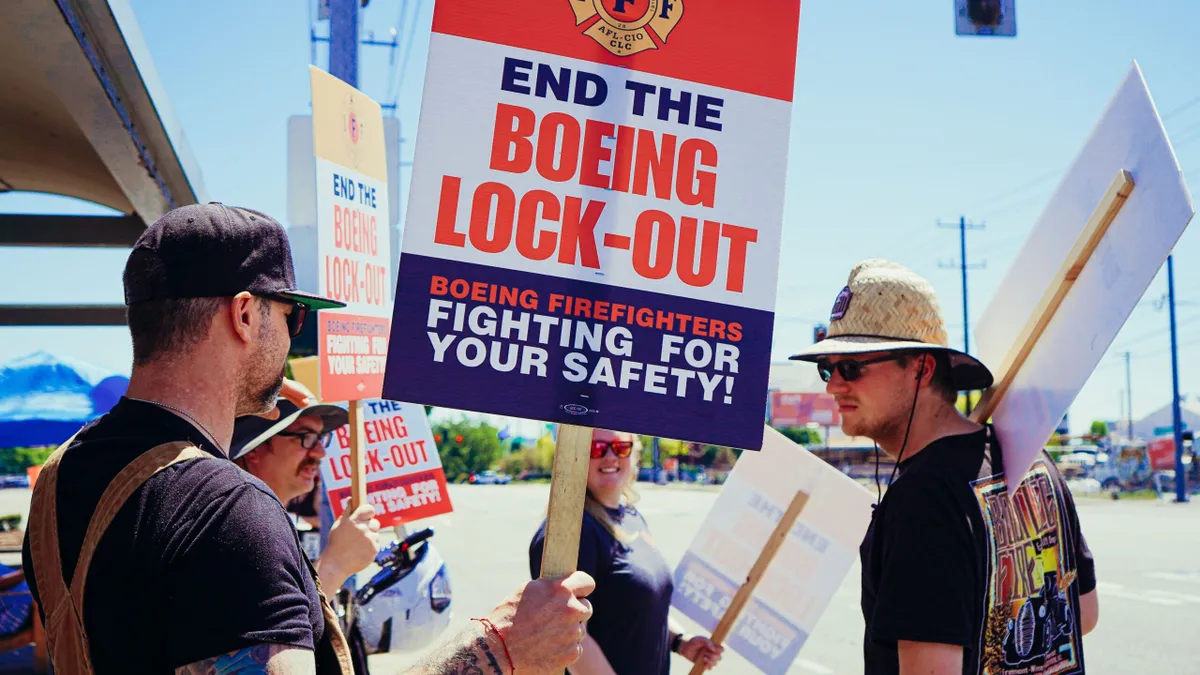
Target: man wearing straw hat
(956,576)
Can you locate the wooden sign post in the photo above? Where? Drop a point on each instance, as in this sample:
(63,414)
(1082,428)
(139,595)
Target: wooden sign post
(358,484)
(1097,225)
(568,487)
(742,597)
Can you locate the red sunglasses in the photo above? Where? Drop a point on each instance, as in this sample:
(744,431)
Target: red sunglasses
(619,448)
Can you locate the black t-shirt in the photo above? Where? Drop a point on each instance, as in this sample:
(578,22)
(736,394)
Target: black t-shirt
(632,596)
(202,560)
(949,559)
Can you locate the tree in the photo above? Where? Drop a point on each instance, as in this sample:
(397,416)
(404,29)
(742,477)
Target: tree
(803,435)
(467,447)
(1099,429)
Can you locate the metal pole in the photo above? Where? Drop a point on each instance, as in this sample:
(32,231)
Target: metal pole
(962,229)
(962,235)
(1181,492)
(1128,400)
(343,40)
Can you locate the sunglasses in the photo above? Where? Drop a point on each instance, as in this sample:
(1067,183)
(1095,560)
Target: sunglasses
(295,318)
(620,449)
(850,370)
(308,439)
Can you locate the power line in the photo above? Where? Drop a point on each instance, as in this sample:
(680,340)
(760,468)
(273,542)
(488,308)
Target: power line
(412,29)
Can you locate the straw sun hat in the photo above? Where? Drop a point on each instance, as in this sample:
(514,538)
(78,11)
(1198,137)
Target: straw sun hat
(887,308)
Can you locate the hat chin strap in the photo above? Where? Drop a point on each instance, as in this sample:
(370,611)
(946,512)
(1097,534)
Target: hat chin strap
(900,458)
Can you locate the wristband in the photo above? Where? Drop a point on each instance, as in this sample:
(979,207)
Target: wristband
(492,627)
(675,642)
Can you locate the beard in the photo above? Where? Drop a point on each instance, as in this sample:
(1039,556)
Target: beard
(264,377)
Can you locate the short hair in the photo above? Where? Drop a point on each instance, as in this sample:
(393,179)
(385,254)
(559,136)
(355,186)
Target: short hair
(166,326)
(943,379)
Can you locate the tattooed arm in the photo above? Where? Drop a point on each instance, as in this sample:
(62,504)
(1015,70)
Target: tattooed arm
(542,627)
(469,653)
(260,659)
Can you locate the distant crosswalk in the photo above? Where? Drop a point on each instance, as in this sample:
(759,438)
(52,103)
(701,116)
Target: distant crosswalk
(1186,592)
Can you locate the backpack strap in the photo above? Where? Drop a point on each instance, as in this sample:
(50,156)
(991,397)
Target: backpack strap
(63,607)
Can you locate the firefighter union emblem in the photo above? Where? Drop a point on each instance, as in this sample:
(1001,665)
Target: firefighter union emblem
(626,27)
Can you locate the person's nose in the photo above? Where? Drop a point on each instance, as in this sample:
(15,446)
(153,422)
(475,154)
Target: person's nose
(318,451)
(836,385)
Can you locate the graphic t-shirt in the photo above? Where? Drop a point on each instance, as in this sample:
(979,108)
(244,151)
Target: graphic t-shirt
(633,592)
(949,558)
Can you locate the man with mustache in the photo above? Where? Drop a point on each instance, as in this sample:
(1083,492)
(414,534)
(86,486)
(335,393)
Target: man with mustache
(286,454)
(149,551)
(957,577)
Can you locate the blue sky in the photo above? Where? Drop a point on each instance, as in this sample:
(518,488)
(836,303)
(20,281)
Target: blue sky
(897,123)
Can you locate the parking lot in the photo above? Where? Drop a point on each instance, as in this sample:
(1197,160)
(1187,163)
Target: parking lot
(1147,552)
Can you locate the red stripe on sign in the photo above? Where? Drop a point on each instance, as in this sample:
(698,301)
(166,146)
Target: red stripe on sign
(747,46)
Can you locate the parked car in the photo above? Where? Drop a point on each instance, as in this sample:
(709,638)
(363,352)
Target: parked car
(489,477)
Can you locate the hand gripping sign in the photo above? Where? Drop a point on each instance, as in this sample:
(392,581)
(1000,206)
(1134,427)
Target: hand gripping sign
(593,235)
(353,251)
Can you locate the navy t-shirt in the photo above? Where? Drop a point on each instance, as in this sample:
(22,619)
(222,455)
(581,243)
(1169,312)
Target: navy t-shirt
(632,596)
(202,560)
(949,558)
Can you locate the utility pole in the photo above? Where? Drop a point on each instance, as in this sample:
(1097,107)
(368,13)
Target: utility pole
(343,40)
(963,226)
(1181,491)
(1128,400)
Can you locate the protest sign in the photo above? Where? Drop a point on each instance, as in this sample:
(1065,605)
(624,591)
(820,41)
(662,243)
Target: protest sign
(403,472)
(1102,238)
(809,565)
(594,230)
(353,239)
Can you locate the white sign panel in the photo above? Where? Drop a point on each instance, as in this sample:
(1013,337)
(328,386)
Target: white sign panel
(808,568)
(1129,136)
(404,475)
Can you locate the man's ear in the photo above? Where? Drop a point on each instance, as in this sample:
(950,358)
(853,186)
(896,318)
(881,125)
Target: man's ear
(244,316)
(925,368)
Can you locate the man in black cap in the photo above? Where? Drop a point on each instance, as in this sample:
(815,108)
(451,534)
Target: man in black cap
(191,565)
(286,454)
(957,577)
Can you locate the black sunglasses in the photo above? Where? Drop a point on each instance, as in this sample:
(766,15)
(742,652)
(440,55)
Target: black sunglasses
(620,449)
(295,318)
(308,439)
(850,370)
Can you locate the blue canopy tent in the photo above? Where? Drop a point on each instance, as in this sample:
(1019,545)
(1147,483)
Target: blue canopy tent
(45,398)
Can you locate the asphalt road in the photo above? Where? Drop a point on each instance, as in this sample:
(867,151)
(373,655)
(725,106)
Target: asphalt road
(1147,553)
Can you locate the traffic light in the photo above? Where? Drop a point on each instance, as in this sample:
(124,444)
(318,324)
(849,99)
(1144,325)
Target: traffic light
(819,332)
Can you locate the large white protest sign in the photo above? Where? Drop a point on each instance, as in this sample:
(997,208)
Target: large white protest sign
(1130,137)
(808,567)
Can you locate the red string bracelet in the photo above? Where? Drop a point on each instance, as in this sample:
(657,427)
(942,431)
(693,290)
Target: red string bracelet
(493,628)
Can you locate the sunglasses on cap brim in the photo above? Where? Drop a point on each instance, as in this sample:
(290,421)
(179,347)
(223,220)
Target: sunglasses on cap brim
(849,369)
(620,449)
(295,318)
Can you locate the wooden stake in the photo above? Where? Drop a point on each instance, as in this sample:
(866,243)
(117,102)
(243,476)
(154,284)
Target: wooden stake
(358,486)
(1097,225)
(568,486)
(742,597)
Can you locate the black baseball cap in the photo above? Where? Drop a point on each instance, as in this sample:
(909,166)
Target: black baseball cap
(213,250)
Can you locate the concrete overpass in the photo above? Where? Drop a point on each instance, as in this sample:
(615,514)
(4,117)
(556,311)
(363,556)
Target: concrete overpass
(83,114)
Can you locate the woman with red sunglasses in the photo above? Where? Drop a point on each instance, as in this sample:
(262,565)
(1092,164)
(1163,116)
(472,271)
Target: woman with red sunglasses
(631,631)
